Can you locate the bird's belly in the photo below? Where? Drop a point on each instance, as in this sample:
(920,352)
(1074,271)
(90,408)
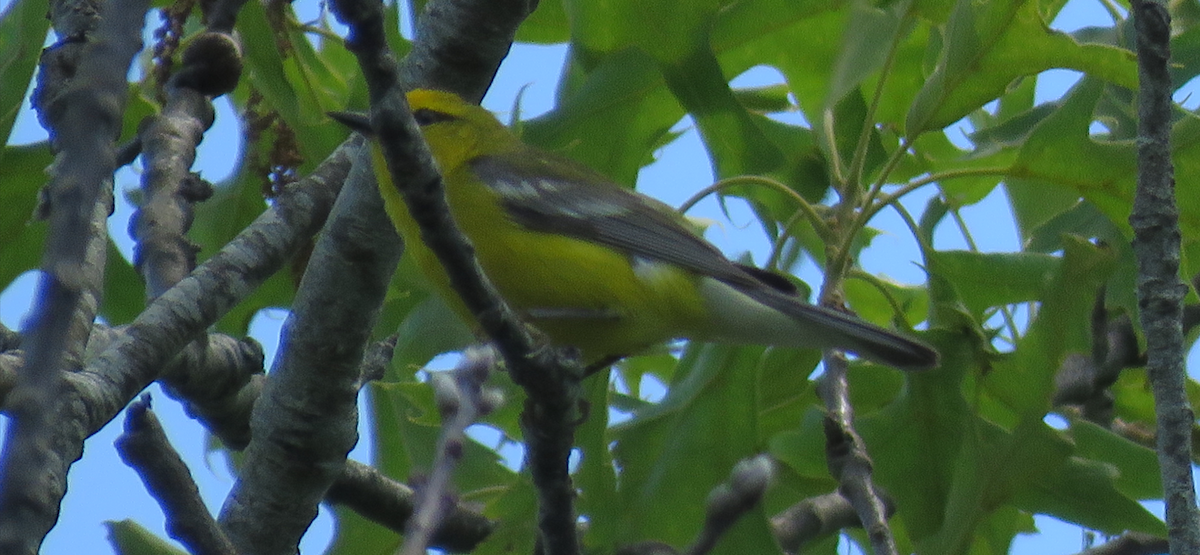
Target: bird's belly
(589,296)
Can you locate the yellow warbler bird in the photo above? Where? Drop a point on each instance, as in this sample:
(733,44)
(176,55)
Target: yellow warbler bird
(597,266)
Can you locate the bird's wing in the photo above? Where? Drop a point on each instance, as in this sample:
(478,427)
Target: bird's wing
(547,193)
(542,192)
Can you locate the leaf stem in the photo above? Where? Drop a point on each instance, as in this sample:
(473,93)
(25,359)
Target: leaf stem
(804,206)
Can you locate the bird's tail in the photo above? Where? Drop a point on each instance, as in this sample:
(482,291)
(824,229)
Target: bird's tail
(766,316)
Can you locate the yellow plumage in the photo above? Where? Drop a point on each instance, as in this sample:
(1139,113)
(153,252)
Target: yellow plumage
(597,266)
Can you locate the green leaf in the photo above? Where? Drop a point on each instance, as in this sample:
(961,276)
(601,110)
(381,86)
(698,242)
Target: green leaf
(1025,381)
(547,24)
(988,45)
(923,444)
(1084,220)
(295,82)
(803,449)
(1185,154)
(407,426)
(736,144)
(356,535)
(802,170)
(124,292)
(1014,131)
(24,168)
(1034,204)
(1061,151)
(130,538)
(875,305)
(868,40)
(985,280)
(1138,475)
(631,370)
(515,514)
(264,63)
(612,120)
(429,329)
(391,29)
(23,29)
(1073,488)
(771,32)
(672,455)
(618,24)
(772,99)
(995,533)
(234,205)
(784,390)
(596,476)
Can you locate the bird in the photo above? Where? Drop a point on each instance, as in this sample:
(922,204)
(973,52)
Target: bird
(598,266)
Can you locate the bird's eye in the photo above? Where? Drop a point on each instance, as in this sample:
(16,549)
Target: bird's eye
(425,116)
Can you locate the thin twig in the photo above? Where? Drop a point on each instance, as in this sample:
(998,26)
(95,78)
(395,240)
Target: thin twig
(461,399)
(391,504)
(848,458)
(744,489)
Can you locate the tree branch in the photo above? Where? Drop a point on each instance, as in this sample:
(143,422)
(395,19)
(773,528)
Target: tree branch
(211,66)
(219,379)
(461,399)
(460,44)
(86,117)
(88,399)
(727,502)
(306,420)
(390,503)
(145,448)
(163,253)
(849,461)
(1156,243)
(1130,543)
(550,379)
(1085,381)
(813,518)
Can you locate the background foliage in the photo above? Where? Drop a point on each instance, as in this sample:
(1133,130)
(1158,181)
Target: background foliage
(965,450)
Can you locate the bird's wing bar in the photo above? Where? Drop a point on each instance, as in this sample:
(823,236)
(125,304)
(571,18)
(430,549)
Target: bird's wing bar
(558,196)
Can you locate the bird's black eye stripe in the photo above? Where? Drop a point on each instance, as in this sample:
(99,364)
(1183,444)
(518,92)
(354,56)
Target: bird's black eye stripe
(425,116)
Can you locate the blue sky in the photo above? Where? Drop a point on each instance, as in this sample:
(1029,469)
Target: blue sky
(102,488)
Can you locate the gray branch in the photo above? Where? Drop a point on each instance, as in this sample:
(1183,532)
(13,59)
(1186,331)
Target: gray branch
(814,518)
(85,117)
(306,420)
(223,381)
(549,376)
(1156,239)
(211,66)
(1130,543)
(163,254)
(144,446)
(88,399)
(461,399)
(848,459)
(727,502)
(392,504)
(460,45)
